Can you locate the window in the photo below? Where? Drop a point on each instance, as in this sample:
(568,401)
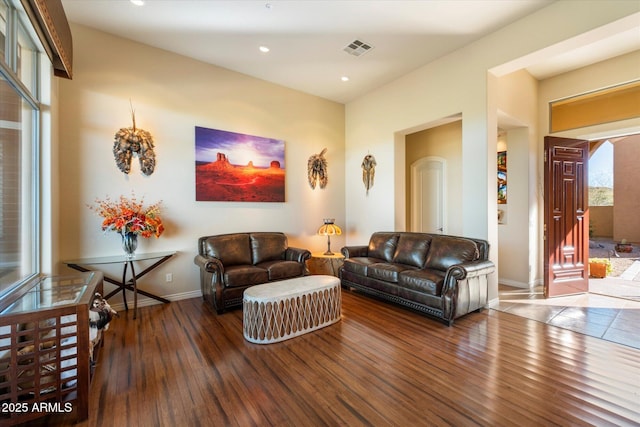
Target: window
(19,142)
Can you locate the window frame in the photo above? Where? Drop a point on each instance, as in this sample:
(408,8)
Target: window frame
(30,133)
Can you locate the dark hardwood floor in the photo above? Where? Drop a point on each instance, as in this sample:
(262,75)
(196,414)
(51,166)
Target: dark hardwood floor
(182,365)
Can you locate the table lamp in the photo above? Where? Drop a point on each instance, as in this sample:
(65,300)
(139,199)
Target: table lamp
(329,229)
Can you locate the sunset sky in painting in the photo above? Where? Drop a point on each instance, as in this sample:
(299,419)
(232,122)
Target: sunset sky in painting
(240,149)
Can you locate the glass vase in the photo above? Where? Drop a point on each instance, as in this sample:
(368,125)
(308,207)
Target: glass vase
(129,243)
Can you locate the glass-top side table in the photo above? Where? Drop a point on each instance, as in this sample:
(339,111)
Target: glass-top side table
(128,263)
(51,291)
(47,346)
(116,259)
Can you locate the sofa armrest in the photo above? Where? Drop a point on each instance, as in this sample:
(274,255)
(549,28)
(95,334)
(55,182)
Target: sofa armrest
(470,269)
(297,254)
(465,288)
(355,251)
(209,264)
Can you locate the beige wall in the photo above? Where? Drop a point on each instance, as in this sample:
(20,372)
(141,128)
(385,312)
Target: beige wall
(601,221)
(171,95)
(626,187)
(446,142)
(518,247)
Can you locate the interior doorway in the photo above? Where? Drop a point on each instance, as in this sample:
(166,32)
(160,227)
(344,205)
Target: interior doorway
(427,185)
(433,177)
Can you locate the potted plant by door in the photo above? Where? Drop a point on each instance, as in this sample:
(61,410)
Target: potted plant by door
(624,247)
(599,267)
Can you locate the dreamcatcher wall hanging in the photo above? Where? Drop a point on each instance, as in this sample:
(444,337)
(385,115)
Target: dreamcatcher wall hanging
(131,141)
(368,171)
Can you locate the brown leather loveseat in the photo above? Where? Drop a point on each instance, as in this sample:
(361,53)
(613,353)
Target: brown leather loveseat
(440,275)
(230,263)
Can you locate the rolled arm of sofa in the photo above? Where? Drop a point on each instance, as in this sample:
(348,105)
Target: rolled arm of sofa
(208,264)
(355,251)
(471,269)
(465,288)
(211,271)
(297,254)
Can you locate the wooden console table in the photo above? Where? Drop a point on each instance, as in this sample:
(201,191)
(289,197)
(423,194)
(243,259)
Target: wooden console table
(132,283)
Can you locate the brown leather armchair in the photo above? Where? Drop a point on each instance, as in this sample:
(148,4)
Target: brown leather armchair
(230,263)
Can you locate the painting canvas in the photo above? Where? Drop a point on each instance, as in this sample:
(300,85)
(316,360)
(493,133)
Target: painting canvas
(502,177)
(234,167)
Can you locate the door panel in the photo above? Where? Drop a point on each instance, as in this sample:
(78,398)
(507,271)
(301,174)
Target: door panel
(566,222)
(427,183)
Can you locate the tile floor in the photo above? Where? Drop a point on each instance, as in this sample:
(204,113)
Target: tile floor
(618,286)
(610,318)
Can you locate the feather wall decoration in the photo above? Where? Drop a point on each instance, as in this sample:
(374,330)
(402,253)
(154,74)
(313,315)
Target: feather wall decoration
(317,170)
(368,171)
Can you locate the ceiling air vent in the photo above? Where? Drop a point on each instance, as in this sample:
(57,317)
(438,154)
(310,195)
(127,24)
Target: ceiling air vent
(357,48)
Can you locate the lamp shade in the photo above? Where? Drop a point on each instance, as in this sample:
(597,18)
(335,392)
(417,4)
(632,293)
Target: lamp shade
(329,228)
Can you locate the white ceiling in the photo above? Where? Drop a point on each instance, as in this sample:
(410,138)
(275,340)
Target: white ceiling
(307,37)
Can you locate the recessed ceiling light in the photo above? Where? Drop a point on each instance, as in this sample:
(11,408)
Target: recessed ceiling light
(264,49)
(138,2)
(344,78)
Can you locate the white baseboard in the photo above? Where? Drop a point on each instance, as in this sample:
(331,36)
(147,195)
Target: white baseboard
(145,302)
(516,284)
(494,302)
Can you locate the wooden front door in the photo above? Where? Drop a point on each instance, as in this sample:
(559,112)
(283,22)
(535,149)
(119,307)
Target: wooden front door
(566,216)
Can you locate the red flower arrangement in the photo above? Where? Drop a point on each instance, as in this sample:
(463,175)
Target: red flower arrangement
(129,216)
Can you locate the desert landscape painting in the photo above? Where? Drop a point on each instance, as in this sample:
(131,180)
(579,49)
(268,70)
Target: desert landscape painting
(234,167)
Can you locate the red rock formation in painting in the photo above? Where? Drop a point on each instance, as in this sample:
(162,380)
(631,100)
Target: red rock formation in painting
(223,181)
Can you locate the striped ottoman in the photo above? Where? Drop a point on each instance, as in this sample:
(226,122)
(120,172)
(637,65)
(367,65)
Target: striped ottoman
(281,310)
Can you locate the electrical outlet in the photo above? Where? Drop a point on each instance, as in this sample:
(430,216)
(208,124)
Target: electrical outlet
(169,277)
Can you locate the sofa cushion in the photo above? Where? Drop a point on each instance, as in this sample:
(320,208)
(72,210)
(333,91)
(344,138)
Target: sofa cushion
(383,245)
(244,275)
(446,251)
(412,249)
(231,249)
(359,265)
(267,246)
(386,271)
(423,281)
(279,270)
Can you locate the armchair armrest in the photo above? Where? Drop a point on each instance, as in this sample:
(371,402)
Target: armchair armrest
(209,264)
(297,254)
(355,251)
